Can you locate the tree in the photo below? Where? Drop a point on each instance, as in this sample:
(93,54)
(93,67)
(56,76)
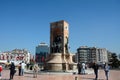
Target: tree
(115,63)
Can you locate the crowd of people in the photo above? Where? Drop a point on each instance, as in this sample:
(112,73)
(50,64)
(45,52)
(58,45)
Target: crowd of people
(21,68)
(81,69)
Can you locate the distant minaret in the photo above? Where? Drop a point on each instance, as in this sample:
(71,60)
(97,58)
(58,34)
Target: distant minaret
(59,36)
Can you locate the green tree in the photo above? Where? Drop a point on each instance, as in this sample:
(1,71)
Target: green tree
(115,63)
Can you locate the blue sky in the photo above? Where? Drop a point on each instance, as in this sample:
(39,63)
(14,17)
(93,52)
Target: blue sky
(26,23)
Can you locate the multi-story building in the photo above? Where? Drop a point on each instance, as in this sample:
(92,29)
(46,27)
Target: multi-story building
(83,54)
(109,56)
(21,55)
(16,55)
(102,56)
(92,54)
(87,54)
(5,55)
(42,51)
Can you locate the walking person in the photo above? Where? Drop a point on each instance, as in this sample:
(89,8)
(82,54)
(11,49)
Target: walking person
(12,71)
(95,67)
(79,68)
(22,68)
(19,68)
(35,70)
(83,68)
(106,69)
(0,71)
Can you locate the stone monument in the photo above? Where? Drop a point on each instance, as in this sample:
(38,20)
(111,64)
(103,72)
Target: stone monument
(60,58)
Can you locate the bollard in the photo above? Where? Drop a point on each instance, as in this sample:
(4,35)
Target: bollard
(76,78)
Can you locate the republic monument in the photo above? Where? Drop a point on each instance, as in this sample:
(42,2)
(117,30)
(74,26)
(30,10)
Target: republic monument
(60,58)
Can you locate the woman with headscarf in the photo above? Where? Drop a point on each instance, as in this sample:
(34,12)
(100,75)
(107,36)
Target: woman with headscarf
(12,70)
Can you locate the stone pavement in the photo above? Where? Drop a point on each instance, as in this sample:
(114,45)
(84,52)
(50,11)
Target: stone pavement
(87,71)
(114,75)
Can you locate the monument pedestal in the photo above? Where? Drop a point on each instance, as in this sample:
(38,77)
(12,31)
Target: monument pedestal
(55,62)
(59,62)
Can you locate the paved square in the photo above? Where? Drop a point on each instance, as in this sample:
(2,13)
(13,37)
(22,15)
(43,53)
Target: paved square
(114,75)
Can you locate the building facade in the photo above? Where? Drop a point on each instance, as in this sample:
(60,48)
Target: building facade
(83,54)
(21,55)
(16,56)
(92,54)
(102,56)
(42,51)
(109,56)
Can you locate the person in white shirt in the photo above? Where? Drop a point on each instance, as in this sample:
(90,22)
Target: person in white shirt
(22,68)
(106,69)
(83,68)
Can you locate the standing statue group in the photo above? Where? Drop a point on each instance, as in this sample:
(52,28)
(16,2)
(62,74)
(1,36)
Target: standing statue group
(57,44)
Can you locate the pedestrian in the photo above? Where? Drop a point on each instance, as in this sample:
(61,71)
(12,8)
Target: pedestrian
(95,67)
(79,68)
(106,69)
(83,68)
(19,68)
(35,70)
(22,68)
(28,66)
(0,71)
(12,70)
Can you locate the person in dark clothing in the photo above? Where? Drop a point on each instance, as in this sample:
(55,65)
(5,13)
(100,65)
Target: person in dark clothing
(12,70)
(95,67)
(79,68)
